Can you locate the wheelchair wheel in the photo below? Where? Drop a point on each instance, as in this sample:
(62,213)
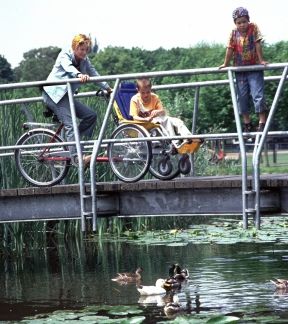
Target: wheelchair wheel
(41,166)
(130,161)
(185,164)
(165,166)
(159,156)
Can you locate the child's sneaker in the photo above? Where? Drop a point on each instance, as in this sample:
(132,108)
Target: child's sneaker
(260,127)
(247,129)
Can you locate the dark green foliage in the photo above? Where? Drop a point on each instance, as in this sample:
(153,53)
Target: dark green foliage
(118,60)
(37,64)
(6,73)
(277,53)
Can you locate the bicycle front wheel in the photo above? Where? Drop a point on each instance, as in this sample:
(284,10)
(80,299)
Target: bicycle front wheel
(129,161)
(42,166)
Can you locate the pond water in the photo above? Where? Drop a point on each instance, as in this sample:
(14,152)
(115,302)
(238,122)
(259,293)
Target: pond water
(72,282)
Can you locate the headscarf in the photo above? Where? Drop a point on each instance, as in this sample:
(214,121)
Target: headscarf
(240,12)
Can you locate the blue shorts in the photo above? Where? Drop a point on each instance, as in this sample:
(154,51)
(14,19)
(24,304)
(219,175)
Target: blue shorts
(248,84)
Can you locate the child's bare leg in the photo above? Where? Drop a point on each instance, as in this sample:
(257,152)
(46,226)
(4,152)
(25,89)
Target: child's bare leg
(262,121)
(246,118)
(262,118)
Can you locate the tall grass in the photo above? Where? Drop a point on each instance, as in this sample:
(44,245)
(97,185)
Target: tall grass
(24,238)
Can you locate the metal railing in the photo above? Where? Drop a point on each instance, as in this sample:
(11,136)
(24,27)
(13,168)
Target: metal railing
(259,137)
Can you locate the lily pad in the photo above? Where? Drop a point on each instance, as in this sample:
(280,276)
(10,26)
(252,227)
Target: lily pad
(221,319)
(124,310)
(178,244)
(133,320)
(93,318)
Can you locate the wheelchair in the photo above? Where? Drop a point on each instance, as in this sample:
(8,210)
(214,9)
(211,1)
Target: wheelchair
(130,156)
(132,160)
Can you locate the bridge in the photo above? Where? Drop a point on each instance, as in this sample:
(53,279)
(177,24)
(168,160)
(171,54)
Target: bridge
(184,195)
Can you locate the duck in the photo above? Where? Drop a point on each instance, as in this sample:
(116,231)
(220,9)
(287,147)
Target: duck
(158,289)
(280,283)
(172,284)
(176,272)
(158,300)
(173,307)
(129,276)
(172,270)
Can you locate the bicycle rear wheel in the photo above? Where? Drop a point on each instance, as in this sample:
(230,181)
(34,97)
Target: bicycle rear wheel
(129,161)
(42,166)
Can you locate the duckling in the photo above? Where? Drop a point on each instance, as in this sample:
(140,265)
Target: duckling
(152,290)
(129,276)
(280,283)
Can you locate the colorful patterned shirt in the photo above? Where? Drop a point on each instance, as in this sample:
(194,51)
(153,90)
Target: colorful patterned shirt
(244,49)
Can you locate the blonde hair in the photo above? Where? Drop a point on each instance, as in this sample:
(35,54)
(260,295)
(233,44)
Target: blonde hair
(81,39)
(143,83)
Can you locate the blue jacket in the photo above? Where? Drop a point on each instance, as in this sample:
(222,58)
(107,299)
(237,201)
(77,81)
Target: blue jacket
(65,68)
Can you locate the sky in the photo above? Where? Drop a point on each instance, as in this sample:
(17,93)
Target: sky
(149,24)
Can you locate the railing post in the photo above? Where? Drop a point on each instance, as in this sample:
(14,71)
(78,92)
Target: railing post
(242,149)
(96,146)
(79,153)
(194,121)
(256,155)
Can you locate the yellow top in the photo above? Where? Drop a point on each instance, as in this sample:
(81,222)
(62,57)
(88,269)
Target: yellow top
(138,108)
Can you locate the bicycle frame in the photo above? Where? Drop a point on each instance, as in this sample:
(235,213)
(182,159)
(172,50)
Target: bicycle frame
(47,155)
(42,156)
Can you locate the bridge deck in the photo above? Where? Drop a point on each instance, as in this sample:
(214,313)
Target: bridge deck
(187,195)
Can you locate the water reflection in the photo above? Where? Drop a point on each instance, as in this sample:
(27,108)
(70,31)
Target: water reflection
(223,278)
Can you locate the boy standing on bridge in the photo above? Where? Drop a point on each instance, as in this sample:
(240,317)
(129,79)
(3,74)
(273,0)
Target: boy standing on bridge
(147,106)
(244,46)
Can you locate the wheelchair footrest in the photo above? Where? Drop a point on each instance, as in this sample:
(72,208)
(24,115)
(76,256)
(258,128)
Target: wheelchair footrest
(190,147)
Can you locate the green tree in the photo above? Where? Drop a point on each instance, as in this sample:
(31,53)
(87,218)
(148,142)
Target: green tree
(117,60)
(277,53)
(6,73)
(37,64)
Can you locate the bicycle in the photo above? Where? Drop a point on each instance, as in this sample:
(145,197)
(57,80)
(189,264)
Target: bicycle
(43,160)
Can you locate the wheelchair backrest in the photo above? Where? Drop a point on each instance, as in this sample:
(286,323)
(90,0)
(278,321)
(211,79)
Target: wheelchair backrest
(123,96)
